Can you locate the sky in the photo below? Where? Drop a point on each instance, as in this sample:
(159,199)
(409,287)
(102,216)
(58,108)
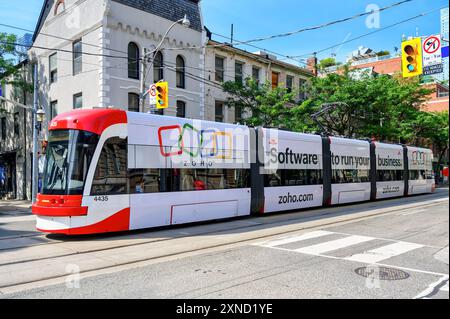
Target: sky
(260,18)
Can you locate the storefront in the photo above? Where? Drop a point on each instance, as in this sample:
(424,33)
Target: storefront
(8,175)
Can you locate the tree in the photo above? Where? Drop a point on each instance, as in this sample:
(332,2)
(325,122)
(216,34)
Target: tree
(326,63)
(7,52)
(264,106)
(10,72)
(383,53)
(430,130)
(374,106)
(381,107)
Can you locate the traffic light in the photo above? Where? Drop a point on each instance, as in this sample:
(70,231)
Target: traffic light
(412,58)
(162,95)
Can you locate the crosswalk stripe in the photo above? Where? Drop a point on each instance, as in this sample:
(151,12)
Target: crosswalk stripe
(294,239)
(385,252)
(334,245)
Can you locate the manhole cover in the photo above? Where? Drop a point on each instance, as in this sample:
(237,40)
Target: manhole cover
(382,273)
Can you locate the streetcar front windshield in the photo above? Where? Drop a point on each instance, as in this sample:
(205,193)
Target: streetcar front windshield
(68,157)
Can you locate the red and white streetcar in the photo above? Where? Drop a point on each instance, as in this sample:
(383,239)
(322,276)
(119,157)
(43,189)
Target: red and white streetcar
(109,170)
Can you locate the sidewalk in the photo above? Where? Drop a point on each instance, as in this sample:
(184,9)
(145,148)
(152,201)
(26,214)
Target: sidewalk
(15,205)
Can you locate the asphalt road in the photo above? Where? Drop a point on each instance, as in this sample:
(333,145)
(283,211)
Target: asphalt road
(403,254)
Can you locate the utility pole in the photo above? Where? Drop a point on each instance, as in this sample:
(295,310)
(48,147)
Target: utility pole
(35,136)
(144,72)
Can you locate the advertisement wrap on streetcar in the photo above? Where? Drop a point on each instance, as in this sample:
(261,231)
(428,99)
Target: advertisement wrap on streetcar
(108,170)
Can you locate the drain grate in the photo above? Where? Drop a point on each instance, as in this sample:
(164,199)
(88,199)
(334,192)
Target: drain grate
(382,273)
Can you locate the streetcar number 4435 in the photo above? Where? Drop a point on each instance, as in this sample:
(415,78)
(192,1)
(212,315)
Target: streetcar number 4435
(100,198)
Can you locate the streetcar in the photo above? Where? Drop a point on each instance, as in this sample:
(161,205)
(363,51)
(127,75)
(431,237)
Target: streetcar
(108,170)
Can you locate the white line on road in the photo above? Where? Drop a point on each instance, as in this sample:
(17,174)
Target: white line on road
(431,288)
(375,264)
(333,245)
(414,212)
(383,253)
(294,239)
(17,219)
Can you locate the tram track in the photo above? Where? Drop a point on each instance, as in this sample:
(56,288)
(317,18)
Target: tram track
(248,222)
(261,230)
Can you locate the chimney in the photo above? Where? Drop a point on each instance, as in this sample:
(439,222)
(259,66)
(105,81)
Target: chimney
(311,64)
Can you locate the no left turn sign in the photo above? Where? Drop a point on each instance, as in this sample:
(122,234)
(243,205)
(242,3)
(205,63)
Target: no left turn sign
(431,44)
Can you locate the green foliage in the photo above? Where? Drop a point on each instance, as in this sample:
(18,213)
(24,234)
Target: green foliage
(430,129)
(326,63)
(7,52)
(10,73)
(383,53)
(382,107)
(266,107)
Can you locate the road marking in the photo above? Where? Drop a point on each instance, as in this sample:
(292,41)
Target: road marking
(334,245)
(17,219)
(431,290)
(294,239)
(383,253)
(413,212)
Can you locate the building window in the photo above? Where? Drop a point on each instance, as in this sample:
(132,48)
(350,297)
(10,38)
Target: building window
(302,89)
(77,57)
(239,72)
(219,112)
(256,74)
(181,73)
(289,83)
(158,67)
(133,61)
(220,69)
(53,109)
(181,109)
(133,102)
(53,67)
(3,127)
(238,114)
(275,79)
(78,101)
(16,124)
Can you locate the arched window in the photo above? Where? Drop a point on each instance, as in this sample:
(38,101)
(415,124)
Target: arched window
(133,61)
(158,67)
(133,102)
(181,73)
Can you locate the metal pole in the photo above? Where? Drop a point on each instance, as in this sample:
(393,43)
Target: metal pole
(144,72)
(35,137)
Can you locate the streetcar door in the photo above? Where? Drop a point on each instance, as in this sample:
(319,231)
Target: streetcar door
(108,186)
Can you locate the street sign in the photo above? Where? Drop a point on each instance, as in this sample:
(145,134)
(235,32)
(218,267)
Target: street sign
(432,55)
(152,93)
(444,52)
(433,69)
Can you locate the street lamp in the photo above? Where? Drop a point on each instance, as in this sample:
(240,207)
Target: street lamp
(184,22)
(40,115)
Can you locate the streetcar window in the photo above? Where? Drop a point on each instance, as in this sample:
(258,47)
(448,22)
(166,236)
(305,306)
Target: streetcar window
(294,177)
(68,157)
(390,175)
(111,173)
(417,175)
(344,176)
(183,180)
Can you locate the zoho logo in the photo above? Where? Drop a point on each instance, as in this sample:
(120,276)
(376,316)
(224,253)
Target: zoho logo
(177,140)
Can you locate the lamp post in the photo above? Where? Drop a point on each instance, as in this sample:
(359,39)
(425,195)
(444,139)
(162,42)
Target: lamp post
(186,23)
